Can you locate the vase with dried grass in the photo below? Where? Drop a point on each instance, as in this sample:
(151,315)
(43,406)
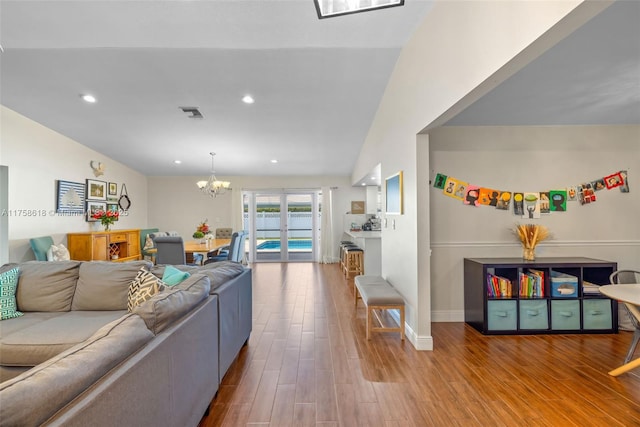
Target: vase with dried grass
(530,235)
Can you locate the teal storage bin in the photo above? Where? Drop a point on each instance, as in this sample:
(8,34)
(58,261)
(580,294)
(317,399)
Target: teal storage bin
(596,314)
(565,315)
(534,314)
(502,315)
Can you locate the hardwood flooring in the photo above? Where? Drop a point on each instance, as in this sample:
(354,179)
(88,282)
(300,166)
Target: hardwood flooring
(308,363)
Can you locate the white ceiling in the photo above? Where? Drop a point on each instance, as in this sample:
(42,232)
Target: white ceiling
(317,83)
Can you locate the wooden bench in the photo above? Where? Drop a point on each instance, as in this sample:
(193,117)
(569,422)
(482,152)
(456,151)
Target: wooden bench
(378,294)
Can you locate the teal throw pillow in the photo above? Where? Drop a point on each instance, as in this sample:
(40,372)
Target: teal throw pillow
(172,276)
(8,286)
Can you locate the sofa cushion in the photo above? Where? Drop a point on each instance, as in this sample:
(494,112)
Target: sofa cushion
(166,307)
(72,372)
(218,273)
(8,287)
(42,340)
(143,287)
(172,276)
(47,286)
(104,285)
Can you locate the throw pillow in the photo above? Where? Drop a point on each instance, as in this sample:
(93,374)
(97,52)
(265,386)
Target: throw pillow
(148,243)
(58,253)
(142,288)
(172,276)
(8,286)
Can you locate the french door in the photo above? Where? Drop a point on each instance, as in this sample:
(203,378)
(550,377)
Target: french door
(283,226)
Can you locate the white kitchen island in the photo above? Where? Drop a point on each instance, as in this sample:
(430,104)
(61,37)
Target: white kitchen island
(371,243)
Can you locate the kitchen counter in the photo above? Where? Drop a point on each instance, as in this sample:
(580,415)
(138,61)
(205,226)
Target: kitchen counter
(371,243)
(365,234)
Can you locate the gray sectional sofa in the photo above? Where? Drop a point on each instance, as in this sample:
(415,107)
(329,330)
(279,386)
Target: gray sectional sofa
(77,357)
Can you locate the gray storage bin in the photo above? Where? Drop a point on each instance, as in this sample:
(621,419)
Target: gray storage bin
(565,315)
(596,314)
(534,314)
(502,315)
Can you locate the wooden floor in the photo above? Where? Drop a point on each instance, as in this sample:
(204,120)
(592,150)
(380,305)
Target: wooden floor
(307,363)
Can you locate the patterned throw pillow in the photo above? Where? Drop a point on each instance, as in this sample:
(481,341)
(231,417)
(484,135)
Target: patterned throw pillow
(142,288)
(8,286)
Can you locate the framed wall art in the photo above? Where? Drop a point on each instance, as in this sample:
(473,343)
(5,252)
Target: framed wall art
(113,207)
(393,195)
(69,197)
(93,207)
(113,189)
(96,190)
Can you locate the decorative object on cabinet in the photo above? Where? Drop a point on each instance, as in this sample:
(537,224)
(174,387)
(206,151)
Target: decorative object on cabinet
(394,194)
(69,196)
(96,190)
(93,208)
(530,235)
(106,217)
(507,296)
(357,207)
(98,168)
(120,245)
(124,202)
(113,189)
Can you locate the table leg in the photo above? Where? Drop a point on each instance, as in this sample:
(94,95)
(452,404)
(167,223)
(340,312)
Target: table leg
(626,367)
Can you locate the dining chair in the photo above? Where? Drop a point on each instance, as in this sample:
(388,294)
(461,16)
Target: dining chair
(170,250)
(629,315)
(236,248)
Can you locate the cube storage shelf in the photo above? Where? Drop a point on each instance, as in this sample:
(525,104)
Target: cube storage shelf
(563,307)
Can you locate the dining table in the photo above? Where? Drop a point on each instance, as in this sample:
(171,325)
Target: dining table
(629,294)
(203,246)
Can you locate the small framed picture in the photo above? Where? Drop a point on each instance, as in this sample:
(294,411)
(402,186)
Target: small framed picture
(93,207)
(113,189)
(113,207)
(357,207)
(96,190)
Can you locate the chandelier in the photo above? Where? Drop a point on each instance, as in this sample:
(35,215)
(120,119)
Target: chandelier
(212,187)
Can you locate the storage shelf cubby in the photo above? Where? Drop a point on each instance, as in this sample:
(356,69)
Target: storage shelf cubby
(504,296)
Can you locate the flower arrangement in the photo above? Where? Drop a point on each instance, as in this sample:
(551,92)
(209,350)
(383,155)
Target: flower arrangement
(106,217)
(530,235)
(202,230)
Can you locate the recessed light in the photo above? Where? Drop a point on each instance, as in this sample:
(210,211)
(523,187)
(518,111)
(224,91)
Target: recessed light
(274,161)
(364,183)
(248,99)
(177,162)
(88,98)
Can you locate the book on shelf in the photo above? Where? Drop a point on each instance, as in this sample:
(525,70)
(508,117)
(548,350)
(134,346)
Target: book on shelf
(590,288)
(531,284)
(499,287)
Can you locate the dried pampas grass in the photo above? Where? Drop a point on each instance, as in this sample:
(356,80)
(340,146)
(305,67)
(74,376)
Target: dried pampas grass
(530,235)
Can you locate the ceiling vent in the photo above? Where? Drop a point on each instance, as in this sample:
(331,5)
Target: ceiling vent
(193,111)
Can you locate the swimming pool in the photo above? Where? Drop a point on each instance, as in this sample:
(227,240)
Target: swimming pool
(296,244)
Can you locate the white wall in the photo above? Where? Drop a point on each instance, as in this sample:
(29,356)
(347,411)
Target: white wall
(37,157)
(176,203)
(459,46)
(4,217)
(530,159)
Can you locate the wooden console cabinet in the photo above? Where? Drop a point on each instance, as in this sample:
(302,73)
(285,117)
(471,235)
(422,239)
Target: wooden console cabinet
(567,301)
(117,245)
